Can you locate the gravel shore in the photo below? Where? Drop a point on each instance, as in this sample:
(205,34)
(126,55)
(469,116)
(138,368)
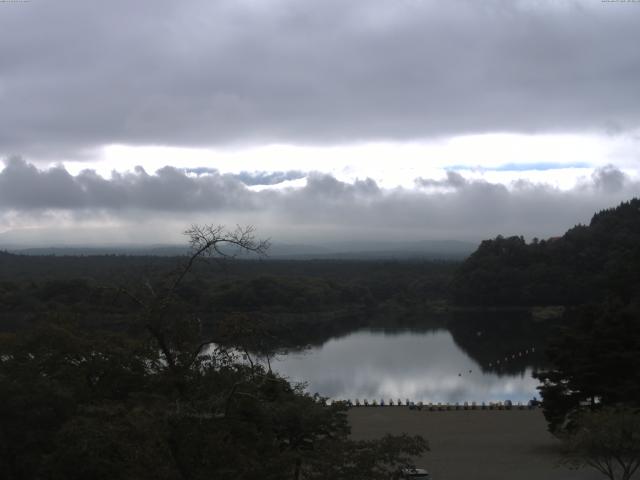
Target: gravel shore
(474,445)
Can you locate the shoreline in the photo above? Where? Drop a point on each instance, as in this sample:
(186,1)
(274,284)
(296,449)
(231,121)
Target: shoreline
(474,444)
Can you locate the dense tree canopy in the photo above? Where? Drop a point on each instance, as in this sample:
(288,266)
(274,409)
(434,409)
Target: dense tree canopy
(78,405)
(607,440)
(164,398)
(596,361)
(587,263)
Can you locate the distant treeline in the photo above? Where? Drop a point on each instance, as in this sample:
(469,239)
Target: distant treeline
(299,302)
(588,263)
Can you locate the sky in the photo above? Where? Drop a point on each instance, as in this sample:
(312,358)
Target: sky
(125,122)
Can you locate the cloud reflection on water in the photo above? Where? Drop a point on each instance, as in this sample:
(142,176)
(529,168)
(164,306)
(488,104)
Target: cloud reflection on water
(427,367)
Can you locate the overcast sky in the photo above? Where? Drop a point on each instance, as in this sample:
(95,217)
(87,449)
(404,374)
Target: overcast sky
(323,120)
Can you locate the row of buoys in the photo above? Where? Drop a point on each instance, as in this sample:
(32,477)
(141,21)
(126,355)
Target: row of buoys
(506,405)
(513,356)
(382,403)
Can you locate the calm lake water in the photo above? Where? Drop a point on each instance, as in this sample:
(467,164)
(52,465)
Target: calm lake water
(422,366)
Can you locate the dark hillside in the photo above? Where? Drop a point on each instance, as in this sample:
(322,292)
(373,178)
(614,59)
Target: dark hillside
(586,264)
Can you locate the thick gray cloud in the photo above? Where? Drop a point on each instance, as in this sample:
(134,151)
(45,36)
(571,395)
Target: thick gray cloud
(252,178)
(325,209)
(453,180)
(268,178)
(609,179)
(77,74)
(25,187)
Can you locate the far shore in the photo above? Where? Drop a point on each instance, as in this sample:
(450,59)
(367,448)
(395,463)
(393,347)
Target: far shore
(538,312)
(474,444)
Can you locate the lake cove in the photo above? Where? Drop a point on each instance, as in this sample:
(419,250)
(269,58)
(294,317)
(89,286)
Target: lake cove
(473,364)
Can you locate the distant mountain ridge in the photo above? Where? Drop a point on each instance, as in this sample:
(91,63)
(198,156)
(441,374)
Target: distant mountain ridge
(587,263)
(434,249)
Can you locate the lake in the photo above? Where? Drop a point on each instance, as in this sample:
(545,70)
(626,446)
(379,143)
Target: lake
(428,366)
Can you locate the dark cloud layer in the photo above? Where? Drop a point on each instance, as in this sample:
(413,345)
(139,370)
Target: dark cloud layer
(609,179)
(25,187)
(268,178)
(252,178)
(77,74)
(453,180)
(451,208)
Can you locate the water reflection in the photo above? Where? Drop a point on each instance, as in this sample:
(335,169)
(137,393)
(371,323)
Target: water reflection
(422,366)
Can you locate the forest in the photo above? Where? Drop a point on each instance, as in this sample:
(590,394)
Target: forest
(594,272)
(589,262)
(118,367)
(296,301)
(115,366)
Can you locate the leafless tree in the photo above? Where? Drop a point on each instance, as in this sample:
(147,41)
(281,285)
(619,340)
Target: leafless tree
(206,242)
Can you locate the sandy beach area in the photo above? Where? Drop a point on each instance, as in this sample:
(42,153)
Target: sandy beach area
(473,444)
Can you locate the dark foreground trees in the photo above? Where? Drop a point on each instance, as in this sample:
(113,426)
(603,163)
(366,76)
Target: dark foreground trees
(607,440)
(167,402)
(591,396)
(595,362)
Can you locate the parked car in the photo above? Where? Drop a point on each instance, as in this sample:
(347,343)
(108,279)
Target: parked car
(415,474)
